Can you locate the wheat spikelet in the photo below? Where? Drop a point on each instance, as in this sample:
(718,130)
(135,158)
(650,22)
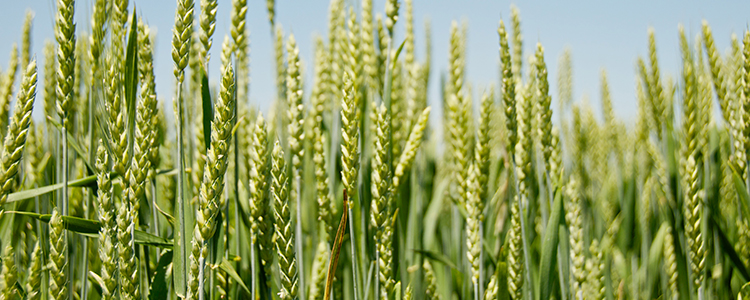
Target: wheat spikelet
(65,34)
(745,87)
(380,209)
(15,140)
(6,89)
(508,89)
(212,185)
(349,136)
(565,80)
(284,227)
(98,33)
(544,112)
(429,274)
(515,252)
(391,12)
(147,132)
(108,231)
(517,62)
(241,40)
(34,280)
(58,281)
(127,262)
(690,163)
(296,107)
(319,271)
(717,71)
(657,101)
(574,219)
(50,79)
(181,38)
(670,264)
(9,273)
(207,26)
(412,145)
(278,46)
(473,223)
(369,58)
(483,143)
(26,39)
(459,108)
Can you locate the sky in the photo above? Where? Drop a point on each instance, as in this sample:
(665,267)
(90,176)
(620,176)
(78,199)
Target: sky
(601,35)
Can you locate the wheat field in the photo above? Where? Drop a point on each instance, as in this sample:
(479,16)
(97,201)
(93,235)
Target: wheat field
(353,191)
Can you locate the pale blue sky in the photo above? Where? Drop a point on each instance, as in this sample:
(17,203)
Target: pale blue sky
(601,34)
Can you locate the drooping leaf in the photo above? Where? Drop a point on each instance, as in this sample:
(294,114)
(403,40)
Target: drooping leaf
(159,285)
(226,266)
(90,228)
